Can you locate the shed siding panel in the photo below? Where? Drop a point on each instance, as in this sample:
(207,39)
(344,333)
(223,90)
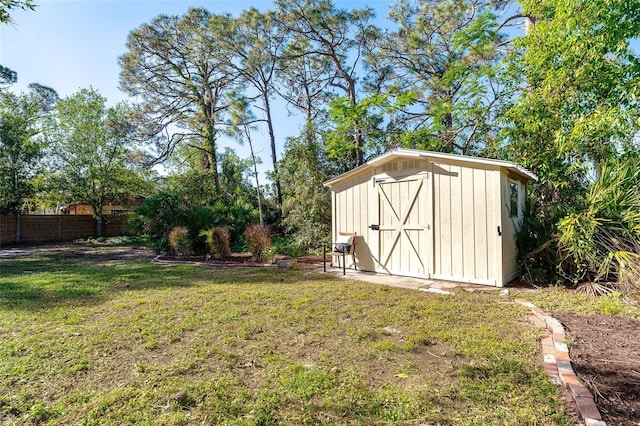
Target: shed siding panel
(465,222)
(480,221)
(493,221)
(468,223)
(352,214)
(442,183)
(457,246)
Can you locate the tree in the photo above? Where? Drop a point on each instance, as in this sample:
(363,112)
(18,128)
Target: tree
(242,123)
(93,152)
(254,50)
(447,53)
(7,75)
(7,6)
(21,145)
(175,66)
(304,82)
(318,28)
(579,107)
(576,122)
(307,204)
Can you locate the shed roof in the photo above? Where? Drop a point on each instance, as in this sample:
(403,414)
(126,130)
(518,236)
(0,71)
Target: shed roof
(404,152)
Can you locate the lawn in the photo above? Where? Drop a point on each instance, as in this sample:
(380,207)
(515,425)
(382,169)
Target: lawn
(85,341)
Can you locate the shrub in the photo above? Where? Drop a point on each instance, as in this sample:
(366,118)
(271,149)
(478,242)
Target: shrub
(217,240)
(179,240)
(258,241)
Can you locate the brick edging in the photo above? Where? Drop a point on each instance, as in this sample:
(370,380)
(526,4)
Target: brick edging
(557,364)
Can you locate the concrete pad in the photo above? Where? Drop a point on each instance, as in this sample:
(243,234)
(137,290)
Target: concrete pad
(405,282)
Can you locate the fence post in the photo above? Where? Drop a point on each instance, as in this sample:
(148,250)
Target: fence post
(18,227)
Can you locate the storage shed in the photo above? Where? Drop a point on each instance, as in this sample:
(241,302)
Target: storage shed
(432,215)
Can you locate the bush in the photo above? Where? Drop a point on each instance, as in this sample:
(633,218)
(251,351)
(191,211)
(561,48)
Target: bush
(258,241)
(217,240)
(179,240)
(601,243)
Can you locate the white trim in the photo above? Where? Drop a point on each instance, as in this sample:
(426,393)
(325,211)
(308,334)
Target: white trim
(490,282)
(405,152)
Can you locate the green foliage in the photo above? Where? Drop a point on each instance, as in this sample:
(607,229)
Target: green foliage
(602,241)
(597,243)
(181,101)
(22,119)
(94,155)
(217,240)
(537,255)
(580,104)
(288,246)
(340,143)
(191,199)
(179,241)
(7,6)
(338,38)
(307,205)
(158,215)
(448,54)
(258,241)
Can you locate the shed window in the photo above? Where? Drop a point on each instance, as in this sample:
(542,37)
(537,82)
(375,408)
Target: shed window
(513,198)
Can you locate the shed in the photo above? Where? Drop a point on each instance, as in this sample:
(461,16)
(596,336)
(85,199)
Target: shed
(432,215)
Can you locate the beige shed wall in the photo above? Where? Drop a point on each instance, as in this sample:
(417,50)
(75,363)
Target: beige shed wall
(465,223)
(353,211)
(462,205)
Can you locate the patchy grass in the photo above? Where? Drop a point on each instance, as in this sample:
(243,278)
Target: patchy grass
(556,299)
(89,342)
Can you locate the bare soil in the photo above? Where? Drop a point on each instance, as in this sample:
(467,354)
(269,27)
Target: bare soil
(605,353)
(93,252)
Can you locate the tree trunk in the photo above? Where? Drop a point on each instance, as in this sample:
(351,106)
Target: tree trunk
(357,132)
(99,224)
(255,171)
(214,159)
(274,159)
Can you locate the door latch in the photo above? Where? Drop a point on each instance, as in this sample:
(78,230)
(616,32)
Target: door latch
(374,227)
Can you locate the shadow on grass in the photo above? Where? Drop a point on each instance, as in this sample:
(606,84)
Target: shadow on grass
(51,279)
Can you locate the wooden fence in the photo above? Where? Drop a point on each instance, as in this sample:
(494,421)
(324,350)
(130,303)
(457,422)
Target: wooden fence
(52,228)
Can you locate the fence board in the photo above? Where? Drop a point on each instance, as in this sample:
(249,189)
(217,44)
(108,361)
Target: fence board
(58,228)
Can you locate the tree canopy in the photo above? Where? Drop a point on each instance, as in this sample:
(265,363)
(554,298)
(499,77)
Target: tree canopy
(94,160)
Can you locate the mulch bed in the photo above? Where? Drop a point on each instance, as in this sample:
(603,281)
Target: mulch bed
(605,353)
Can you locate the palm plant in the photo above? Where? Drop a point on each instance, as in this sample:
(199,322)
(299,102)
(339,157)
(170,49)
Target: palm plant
(600,245)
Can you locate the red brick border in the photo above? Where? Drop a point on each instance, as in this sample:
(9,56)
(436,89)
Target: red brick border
(558,364)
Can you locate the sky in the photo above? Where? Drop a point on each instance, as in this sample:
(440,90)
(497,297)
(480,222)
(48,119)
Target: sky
(73,44)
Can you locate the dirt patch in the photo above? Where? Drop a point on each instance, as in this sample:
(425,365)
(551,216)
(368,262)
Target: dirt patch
(94,252)
(605,353)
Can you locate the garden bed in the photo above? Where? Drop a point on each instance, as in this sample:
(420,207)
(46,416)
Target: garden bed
(605,353)
(235,260)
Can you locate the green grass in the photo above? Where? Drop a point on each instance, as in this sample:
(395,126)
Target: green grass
(139,343)
(556,299)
